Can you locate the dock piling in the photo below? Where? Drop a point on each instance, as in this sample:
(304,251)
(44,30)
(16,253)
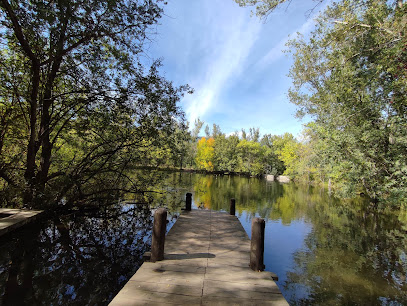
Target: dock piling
(188,202)
(158,239)
(206,263)
(232,207)
(257,245)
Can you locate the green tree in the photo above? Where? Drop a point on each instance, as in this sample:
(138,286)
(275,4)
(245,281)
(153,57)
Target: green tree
(351,77)
(250,157)
(273,164)
(244,134)
(192,146)
(264,7)
(225,150)
(287,149)
(197,128)
(181,139)
(254,134)
(216,131)
(207,131)
(75,100)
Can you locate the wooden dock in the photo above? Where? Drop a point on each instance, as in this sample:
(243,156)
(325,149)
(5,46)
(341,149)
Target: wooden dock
(11,219)
(206,263)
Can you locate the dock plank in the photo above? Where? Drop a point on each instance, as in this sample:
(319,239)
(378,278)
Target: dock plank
(206,262)
(11,219)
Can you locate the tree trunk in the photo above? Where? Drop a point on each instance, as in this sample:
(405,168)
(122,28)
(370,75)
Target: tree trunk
(44,136)
(32,146)
(47,102)
(32,149)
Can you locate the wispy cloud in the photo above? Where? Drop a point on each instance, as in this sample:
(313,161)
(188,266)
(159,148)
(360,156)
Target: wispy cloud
(234,62)
(228,46)
(277,51)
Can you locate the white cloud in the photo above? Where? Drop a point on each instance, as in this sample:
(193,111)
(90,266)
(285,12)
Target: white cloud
(227,46)
(234,62)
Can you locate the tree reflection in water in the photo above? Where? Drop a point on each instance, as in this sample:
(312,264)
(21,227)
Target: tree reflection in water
(77,259)
(325,252)
(352,256)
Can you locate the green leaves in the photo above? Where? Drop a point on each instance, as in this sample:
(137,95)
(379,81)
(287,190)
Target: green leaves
(75,90)
(343,77)
(263,7)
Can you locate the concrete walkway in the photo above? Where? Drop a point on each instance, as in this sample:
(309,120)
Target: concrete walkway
(206,263)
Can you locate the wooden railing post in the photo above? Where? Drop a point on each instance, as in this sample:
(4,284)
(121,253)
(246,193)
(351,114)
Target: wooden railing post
(188,201)
(158,239)
(232,207)
(257,245)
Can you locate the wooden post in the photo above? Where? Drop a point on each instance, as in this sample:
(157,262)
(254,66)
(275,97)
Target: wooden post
(158,240)
(232,207)
(188,202)
(257,245)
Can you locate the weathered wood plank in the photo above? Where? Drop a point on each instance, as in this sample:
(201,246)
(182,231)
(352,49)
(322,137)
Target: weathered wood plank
(11,219)
(206,262)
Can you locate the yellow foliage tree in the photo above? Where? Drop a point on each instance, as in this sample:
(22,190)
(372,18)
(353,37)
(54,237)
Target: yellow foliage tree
(205,154)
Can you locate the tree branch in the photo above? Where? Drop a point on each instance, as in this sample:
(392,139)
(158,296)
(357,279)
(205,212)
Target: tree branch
(18,31)
(4,176)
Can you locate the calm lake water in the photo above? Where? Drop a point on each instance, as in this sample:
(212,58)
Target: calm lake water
(324,252)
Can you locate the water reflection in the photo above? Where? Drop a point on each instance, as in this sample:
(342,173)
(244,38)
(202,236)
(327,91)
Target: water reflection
(324,251)
(75,259)
(351,256)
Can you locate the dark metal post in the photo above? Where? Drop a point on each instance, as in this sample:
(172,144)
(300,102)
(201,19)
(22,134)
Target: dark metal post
(257,245)
(232,207)
(158,240)
(188,202)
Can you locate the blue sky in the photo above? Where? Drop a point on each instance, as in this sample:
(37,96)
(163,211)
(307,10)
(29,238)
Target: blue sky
(234,62)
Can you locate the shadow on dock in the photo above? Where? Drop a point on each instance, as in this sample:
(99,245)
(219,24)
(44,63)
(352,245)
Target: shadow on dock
(188,256)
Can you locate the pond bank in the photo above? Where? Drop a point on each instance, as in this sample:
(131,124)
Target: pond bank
(268,177)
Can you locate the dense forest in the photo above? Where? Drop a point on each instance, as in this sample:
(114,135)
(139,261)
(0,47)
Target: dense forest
(79,109)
